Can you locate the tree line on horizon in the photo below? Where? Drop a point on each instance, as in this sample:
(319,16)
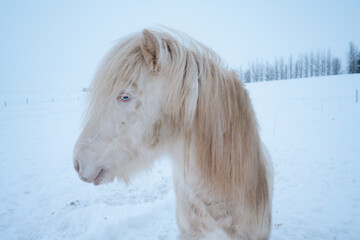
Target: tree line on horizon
(310,64)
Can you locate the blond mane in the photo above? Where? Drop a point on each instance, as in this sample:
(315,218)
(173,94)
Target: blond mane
(206,103)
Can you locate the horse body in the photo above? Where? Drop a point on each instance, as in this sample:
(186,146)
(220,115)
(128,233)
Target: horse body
(157,93)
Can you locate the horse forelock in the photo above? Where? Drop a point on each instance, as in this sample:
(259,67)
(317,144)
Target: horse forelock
(119,69)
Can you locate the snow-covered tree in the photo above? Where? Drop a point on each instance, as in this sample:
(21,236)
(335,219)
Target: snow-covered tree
(353,58)
(306,65)
(282,68)
(269,72)
(297,74)
(336,66)
(240,73)
(323,64)
(253,73)
(301,66)
(317,64)
(276,69)
(312,64)
(260,67)
(291,67)
(247,76)
(328,62)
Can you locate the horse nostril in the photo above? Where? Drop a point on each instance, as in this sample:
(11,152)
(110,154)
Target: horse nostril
(77,166)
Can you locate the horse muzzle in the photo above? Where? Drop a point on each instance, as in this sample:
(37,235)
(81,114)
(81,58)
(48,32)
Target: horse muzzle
(96,178)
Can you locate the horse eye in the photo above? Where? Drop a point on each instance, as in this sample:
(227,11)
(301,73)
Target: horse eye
(124,98)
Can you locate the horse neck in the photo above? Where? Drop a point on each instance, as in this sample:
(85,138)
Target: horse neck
(182,168)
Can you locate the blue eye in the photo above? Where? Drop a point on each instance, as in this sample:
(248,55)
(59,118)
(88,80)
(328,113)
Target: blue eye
(124,98)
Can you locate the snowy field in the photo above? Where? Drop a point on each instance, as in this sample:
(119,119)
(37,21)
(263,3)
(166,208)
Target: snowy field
(311,127)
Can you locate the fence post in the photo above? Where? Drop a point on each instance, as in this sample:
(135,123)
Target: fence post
(5,103)
(27,101)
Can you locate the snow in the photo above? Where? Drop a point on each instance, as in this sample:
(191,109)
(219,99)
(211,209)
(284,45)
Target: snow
(311,127)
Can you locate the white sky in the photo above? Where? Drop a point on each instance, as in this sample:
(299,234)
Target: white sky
(56,45)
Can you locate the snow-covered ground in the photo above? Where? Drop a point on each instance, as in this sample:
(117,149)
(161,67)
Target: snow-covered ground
(311,127)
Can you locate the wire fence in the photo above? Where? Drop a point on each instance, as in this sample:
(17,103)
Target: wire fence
(18,99)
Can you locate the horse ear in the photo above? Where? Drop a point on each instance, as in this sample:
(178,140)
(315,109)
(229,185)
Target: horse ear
(150,48)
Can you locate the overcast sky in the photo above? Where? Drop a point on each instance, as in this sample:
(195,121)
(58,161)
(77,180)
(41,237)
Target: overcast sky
(56,45)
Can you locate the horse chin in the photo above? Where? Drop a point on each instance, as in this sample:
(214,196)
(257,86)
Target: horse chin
(103,177)
(99,178)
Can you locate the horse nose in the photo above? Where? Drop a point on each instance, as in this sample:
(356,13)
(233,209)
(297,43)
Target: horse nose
(77,166)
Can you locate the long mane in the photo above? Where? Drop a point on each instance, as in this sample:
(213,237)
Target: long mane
(213,109)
